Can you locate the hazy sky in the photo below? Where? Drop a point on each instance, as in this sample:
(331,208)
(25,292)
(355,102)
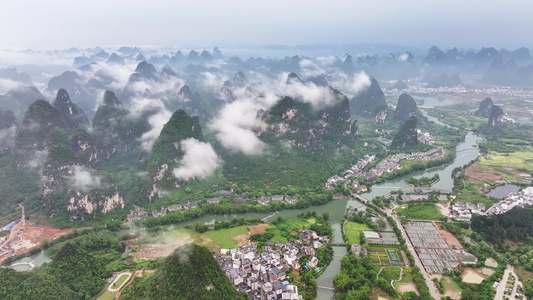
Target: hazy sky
(45,24)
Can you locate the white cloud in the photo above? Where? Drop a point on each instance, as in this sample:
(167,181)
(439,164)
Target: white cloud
(199,160)
(159,116)
(37,159)
(234,126)
(84,178)
(213,82)
(309,68)
(403,57)
(350,85)
(8,84)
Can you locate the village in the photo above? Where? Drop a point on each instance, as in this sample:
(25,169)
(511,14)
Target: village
(267,274)
(517,199)
(138,213)
(388,165)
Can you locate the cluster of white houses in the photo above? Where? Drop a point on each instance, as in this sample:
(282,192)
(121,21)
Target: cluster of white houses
(463,211)
(387,165)
(521,198)
(263,275)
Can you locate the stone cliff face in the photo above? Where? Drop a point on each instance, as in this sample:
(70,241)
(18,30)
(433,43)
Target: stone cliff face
(370,102)
(71,181)
(73,115)
(405,108)
(115,130)
(302,126)
(167,151)
(39,123)
(496,116)
(51,145)
(485,107)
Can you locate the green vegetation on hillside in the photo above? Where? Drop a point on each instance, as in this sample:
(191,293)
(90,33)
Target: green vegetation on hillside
(33,285)
(191,272)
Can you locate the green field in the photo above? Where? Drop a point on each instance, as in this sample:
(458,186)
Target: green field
(420,212)
(352,231)
(224,237)
(522,160)
(450,285)
(474,198)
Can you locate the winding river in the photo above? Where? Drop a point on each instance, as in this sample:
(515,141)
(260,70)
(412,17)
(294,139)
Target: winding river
(466,151)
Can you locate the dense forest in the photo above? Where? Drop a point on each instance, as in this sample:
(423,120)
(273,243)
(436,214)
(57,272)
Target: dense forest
(74,273)
(515,225)
(190,272)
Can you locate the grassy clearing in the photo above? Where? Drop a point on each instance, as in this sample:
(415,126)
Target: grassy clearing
(406,278)
(421,212)
(121,280)
(474,198)
(390,273)
(350,226)
(521,160)
(352,231)
(450,286)
(107,295)
(224,237)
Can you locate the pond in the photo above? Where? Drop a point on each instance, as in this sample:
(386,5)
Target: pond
(32,261)
(503,191)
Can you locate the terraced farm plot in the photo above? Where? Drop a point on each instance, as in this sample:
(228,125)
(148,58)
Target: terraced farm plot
(386,256)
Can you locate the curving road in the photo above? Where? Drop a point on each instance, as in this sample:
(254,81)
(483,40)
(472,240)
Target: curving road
(116,289)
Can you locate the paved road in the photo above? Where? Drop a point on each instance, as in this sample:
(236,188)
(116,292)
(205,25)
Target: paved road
(115,289)
(429,283)
(500,290)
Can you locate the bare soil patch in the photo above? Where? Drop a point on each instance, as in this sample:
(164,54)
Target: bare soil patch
(242,240)
(491,262)
(486,271)
(258,229)
(450,239)
(408,287)
(153,251)
(476,173)
(472,276)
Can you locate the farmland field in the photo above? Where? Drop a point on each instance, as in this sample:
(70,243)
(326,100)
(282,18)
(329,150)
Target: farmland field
(352,231)
(421,212)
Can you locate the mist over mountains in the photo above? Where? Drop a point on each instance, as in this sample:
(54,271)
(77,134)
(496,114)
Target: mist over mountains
(98,129)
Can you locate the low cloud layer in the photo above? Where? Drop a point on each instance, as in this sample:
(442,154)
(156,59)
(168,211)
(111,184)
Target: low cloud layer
(237,121)
(158,117)
(84,178)
(199,161)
